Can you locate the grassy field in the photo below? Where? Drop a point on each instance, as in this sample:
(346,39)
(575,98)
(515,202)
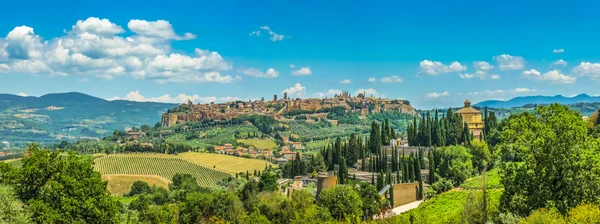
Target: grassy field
(319,144)
(259,143)
(493,181)
(120,184)
(14,162)
(227,163)
(165,166)
(446,207)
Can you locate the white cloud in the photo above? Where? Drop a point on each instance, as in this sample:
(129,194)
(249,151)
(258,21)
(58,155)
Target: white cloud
(180,98)
(22,94)
(302,71)
(482,65)
(296,90)
(4,68)
(508,62)
(591,70)
(273,36)
(255,33)
(329,93)
(434,95)
(368,92)
(371,80)
(560,62)
(532,73)
(495,77)
(556,51)
(523,90)
(499,93)
(270,73)
(466,75)
(391,79)
(292,66)
(553,76)
(345,81)
(97,26)
(436,67)
(95,47)
(556,77)
(156,29)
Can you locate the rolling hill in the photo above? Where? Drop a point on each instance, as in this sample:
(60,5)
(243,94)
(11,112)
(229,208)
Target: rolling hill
(69,116)
(524,100)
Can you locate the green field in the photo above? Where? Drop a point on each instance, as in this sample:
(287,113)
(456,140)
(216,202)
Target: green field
(259,143)
(446,207)
(493,181)
(165,167)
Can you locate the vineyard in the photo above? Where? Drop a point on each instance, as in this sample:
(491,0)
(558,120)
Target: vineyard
(227,163)
(164,167)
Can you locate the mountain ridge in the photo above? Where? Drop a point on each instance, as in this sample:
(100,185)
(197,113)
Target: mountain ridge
(538,99)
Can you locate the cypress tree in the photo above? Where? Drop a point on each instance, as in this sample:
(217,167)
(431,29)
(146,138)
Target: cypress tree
(343,172)
(431,159)
(373,179)
(375,138)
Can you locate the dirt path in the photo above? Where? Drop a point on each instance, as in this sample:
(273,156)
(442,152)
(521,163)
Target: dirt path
(404,208)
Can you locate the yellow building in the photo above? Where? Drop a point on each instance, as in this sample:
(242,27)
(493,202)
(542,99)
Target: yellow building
(473,118)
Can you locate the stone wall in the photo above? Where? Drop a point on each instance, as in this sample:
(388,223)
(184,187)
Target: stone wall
(325,182)
(405,193)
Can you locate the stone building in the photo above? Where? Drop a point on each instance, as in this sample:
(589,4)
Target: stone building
(473,118)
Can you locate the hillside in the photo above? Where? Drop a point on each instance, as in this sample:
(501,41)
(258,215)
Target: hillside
(70,116)
(532,100)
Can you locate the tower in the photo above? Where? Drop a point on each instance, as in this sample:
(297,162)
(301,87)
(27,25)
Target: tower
(275,97)
(285,96)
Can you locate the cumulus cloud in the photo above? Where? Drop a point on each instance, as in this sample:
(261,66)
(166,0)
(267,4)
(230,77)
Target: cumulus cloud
(273,36)
(588,69)
(553,76)
(482,65)
(368,92)
(466,75)
(523,90)
(22,94)
(296,90)
(329,93)
(302,71)
(495,77)
(180,98)
(435,95)
(371,80)
(95,47)
(4,68)
(391,79)
(436,67)
(270,73)
(345,81)
(560,62)
(556,51)
(508,62)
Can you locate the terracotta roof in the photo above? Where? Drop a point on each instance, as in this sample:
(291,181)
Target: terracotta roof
(468,110)
(219,148)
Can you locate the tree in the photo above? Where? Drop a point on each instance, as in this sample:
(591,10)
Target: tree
(549,160)
(11,208)
(249,196)
(431,160)
(139,187)
(371,201)
(268,181)
(61,189)
(481,155)
(343,172)
(455,164)
(184,181)
(342,201)
(375,138)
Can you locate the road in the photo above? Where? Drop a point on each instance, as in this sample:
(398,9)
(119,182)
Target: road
(403,208)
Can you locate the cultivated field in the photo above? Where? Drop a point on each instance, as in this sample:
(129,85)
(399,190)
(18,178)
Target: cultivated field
(226,163)
(259,143)
(165,166)
(120,184)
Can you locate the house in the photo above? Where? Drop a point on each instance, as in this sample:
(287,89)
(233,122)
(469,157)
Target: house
(286,140)
(267,153)
(134,134)
(252,153)
(287,153)
(241,149)
(280,161)
(229,151)
(239,153)
(220,149)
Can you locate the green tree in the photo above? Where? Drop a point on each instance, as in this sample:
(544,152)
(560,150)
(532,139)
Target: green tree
(139,187)
(455,164)
(249,196)
(550,161)
(343,172)
(268,181)
(343,202)
(375,139)
(62,189)
(481,155)
(184,181)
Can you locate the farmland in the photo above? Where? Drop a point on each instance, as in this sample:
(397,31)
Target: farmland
(227,163)
(120,184)
(164,166)
(259,143)
(493,181)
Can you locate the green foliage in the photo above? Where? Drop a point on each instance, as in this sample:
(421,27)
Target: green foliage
(493,181)
(550,161)
(546,216)
(11,208)
(62,189)
(371,200)
(342,201)
(455,163)
(481,155)
(139,187)
(268,180)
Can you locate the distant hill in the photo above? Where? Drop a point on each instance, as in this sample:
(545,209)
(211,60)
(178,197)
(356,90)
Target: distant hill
(533,100)
(71,116)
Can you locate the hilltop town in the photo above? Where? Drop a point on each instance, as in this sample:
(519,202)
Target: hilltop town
(277,107)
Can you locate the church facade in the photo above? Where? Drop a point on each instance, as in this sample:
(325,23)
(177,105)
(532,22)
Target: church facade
(473,118)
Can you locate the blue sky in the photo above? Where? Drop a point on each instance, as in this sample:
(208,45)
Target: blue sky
(434,53)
